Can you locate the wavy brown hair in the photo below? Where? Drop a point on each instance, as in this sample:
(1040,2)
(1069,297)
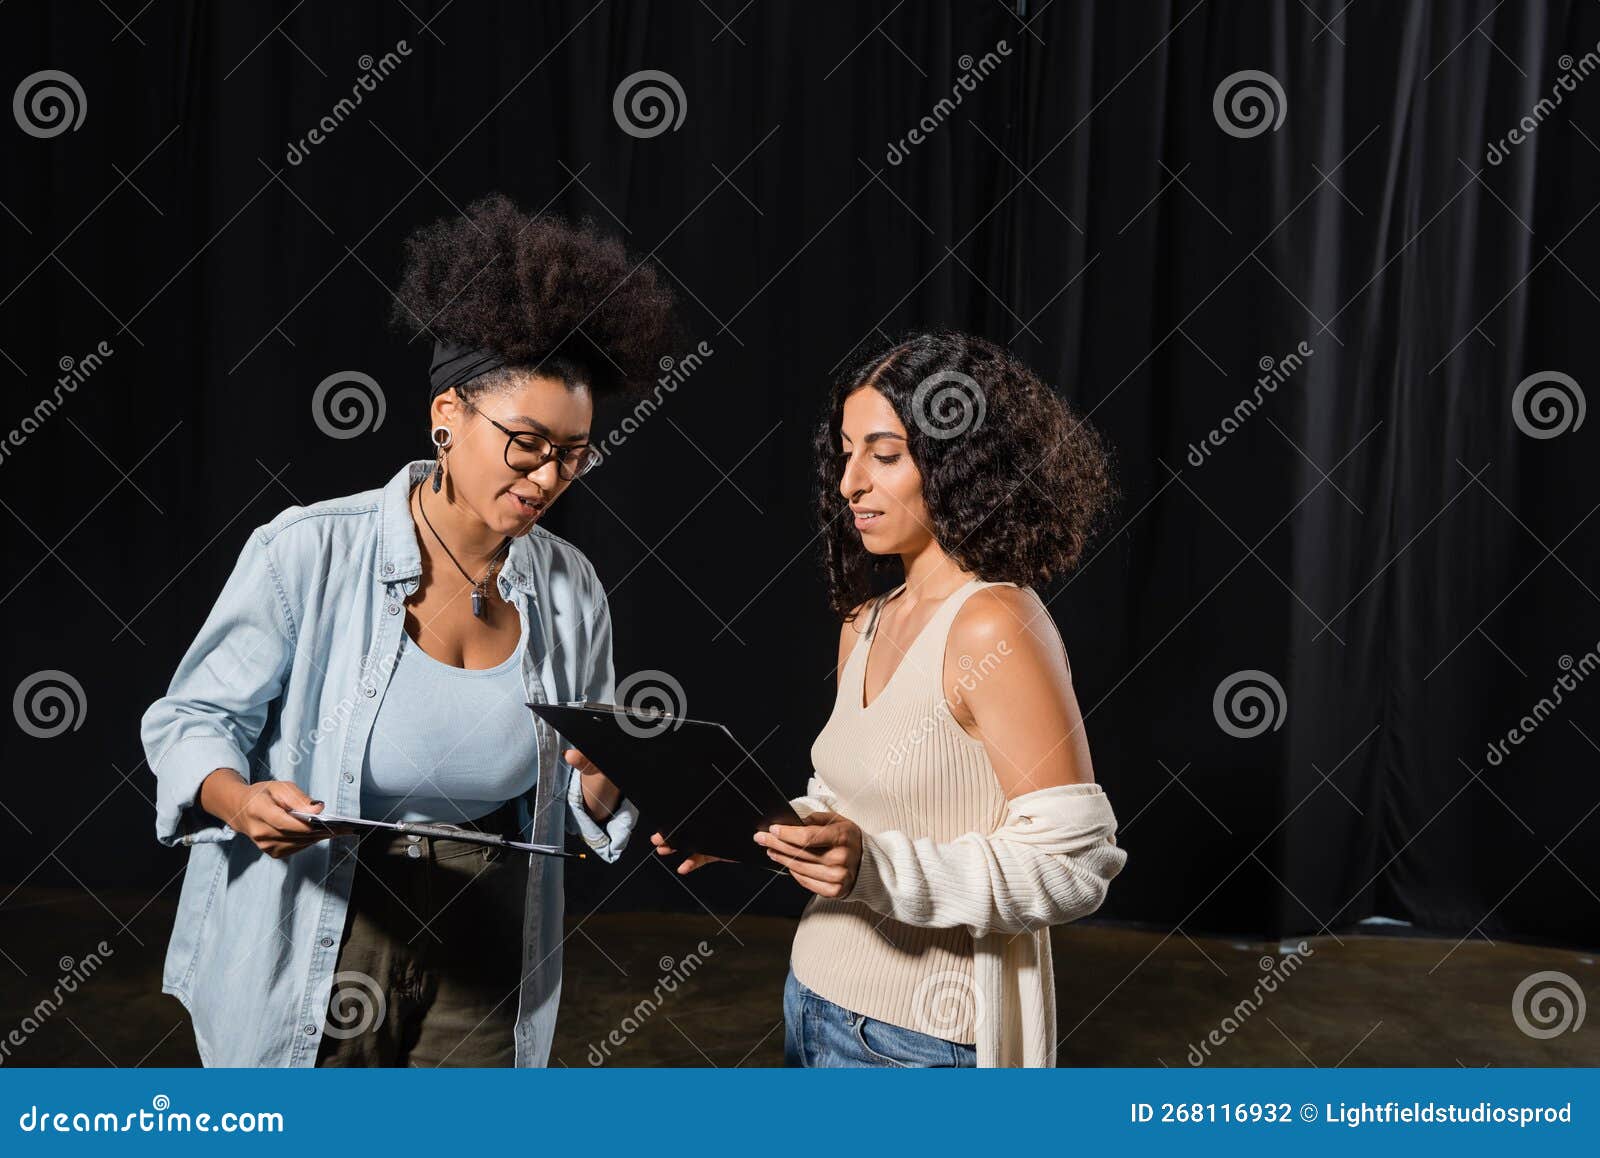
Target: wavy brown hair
(1016,483)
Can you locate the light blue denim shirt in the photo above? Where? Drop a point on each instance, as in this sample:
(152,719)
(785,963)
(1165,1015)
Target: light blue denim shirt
(282,682)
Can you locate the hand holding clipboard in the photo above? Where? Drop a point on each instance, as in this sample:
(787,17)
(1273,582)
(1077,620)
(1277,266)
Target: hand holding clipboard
(696,783)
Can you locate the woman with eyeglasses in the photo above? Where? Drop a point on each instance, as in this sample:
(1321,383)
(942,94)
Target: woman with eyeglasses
(373,655)
(952,816)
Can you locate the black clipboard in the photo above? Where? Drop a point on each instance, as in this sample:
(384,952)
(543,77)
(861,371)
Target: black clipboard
(353,826)
(691,779)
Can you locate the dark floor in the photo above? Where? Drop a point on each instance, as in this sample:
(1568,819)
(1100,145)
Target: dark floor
(1127,997)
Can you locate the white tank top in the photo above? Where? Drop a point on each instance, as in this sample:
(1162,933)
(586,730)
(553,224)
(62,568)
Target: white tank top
(449,743)
(902,763)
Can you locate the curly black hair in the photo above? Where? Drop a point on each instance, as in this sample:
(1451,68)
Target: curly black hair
(1016,483)
(566,300)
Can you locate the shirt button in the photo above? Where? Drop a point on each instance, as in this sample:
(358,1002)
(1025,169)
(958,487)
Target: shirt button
(392,608)
(326,941)
(311,1029)
(369,691)
(413,852)
(349,778)
(388,568)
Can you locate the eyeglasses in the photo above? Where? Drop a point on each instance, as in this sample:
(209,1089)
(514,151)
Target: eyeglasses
(526,452)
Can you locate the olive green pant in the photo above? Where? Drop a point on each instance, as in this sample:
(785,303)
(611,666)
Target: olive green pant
(431,954)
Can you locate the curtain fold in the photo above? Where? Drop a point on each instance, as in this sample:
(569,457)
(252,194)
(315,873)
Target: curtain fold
(1375,534)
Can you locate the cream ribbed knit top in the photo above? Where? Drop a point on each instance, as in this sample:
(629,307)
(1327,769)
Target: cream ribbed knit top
(901,763)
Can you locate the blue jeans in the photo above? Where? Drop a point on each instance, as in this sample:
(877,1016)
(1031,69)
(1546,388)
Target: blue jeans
(816,1032)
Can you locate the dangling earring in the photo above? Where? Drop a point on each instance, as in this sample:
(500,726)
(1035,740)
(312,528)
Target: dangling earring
(441,440)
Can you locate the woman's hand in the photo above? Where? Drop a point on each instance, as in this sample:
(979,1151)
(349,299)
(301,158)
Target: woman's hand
(823,854)
(689,863)
(600,796)
(260,811)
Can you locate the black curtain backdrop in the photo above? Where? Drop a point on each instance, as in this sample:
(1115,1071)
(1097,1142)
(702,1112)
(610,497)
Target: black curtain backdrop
(1380,536)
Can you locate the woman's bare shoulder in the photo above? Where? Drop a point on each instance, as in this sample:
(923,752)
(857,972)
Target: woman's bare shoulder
(1013,617)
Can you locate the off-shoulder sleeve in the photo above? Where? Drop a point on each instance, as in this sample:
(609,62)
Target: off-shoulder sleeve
(1052,861)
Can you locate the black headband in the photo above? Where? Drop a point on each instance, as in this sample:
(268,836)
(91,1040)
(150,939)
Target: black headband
(454,365)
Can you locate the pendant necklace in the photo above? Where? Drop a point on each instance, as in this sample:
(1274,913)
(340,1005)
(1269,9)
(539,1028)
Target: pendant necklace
(480,585)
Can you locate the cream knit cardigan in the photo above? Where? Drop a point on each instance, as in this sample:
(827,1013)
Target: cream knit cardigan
(1050,862)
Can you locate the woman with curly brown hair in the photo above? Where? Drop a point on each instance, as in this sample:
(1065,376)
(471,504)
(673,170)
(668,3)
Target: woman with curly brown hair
(952,816)
(373,655)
